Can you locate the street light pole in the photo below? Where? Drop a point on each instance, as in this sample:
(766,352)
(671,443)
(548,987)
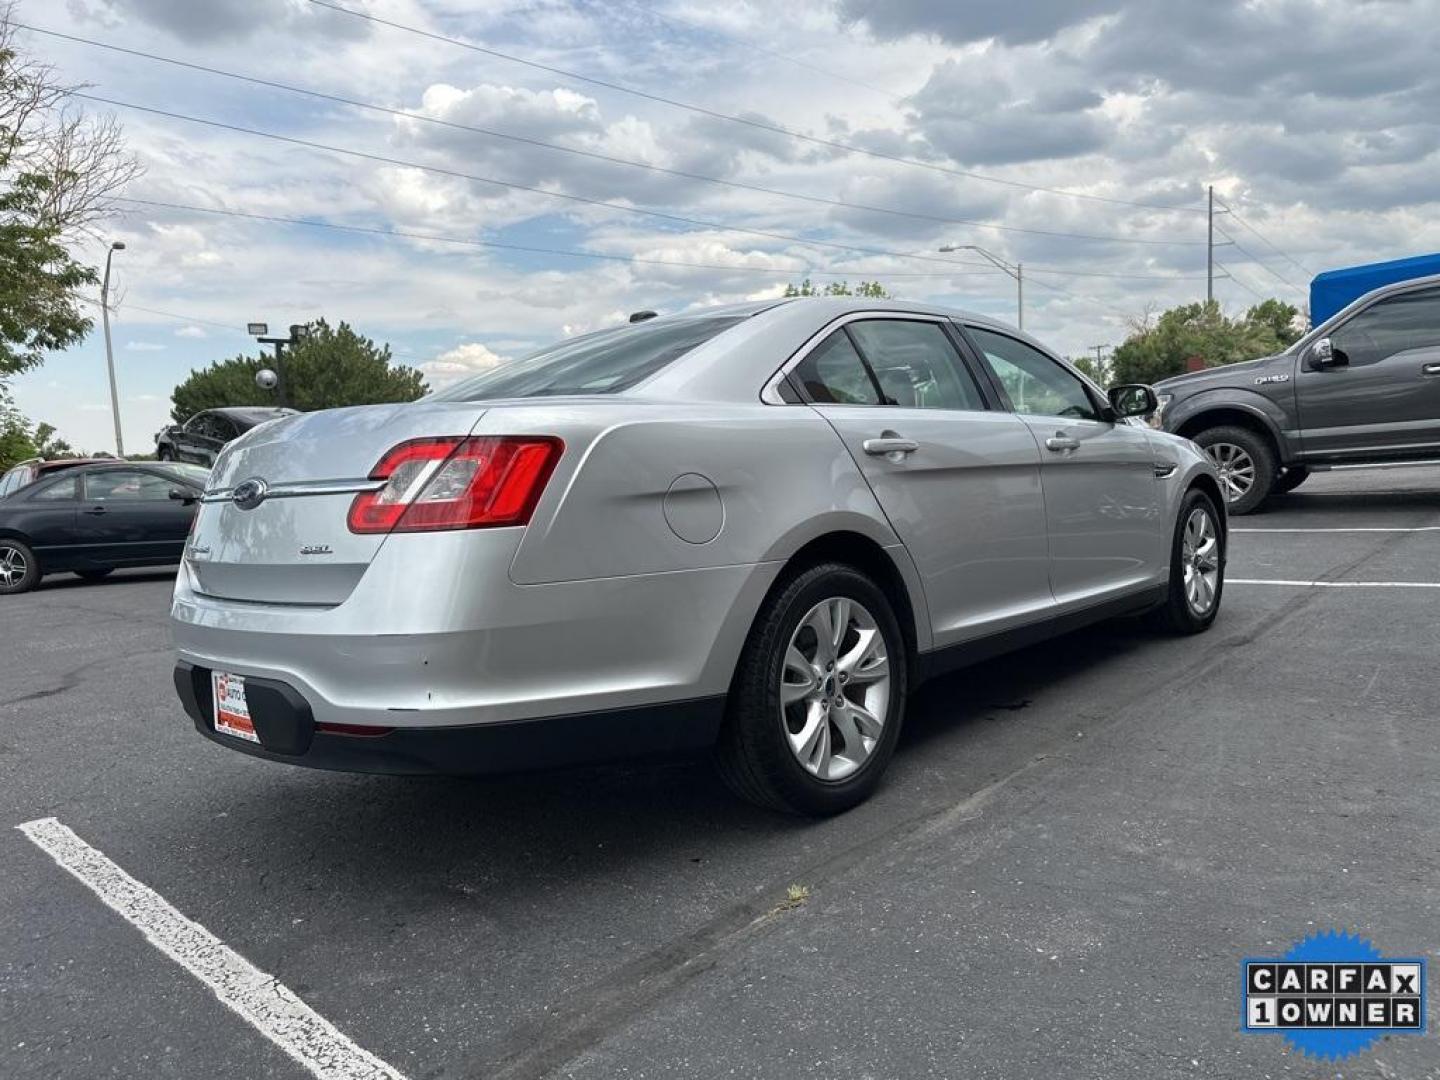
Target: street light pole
(109,350)
(298,333)
(1015,270)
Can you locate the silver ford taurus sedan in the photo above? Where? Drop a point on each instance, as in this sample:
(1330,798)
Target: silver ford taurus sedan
(751,528)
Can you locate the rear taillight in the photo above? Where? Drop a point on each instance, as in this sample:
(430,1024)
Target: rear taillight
(457,483)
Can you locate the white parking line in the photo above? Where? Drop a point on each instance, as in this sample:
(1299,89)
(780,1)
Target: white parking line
(1336,584)
(260,998)
(1349,529)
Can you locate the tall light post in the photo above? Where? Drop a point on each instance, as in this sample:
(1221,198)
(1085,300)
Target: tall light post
(298,333)
(109,350)
(1015,270)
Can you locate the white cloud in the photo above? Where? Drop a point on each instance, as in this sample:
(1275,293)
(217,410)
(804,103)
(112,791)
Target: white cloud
(191,331)
(465,359)
(143,346)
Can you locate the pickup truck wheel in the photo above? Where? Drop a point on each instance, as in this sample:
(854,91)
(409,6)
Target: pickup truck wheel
(164,454)
(1245,462)
(1290,479)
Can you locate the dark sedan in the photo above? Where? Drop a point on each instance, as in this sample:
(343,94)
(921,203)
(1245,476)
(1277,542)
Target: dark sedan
(93,519)
(201,438)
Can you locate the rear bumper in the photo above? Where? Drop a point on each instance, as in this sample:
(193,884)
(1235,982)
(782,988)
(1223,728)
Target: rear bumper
(288,731)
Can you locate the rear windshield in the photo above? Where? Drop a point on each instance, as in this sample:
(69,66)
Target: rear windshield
(603,363)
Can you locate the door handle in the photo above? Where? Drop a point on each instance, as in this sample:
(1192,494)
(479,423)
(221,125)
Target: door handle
(890,444)
(96,510)
(1430,369)
(1061,443)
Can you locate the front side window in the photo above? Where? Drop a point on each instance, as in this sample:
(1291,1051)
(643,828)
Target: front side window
(1034,383)
(832,373)
(915,364)
(124,485)
(607,362)
(1395,324)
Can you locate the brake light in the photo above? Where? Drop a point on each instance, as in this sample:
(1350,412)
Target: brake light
(457,483)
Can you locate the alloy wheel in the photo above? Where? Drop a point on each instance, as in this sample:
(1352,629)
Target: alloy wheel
(1200,556)
(13,566)
(1236,468)
(835,688)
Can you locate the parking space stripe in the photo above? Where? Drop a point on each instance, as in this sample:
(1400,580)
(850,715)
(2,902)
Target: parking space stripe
(1347,529)
(260,998)
(1336,584)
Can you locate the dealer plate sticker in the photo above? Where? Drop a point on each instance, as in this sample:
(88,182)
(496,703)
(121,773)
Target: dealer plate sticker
(232,712)
(1332,995)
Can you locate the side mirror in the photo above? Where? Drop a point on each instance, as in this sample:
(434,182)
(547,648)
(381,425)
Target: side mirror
(1133,399)
(184,495)
(1324,355)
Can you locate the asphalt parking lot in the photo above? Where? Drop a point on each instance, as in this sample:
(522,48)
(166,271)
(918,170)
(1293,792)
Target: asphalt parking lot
(1074,848)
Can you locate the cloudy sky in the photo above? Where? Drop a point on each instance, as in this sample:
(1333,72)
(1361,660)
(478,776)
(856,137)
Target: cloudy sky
(1075,136)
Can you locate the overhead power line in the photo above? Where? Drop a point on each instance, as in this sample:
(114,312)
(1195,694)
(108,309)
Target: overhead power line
(1238,281)
(746,121)
(406,234)
(753,46)
(1268,242)
(1256,260)
(595,155)
(509,184)
(120,309)
(403,163)
(979,269)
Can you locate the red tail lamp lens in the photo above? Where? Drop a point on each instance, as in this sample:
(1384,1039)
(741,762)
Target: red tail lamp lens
(457,483)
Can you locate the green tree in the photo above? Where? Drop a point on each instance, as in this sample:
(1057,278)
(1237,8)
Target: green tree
(1099,371)
(870,289)
(1161,347)
(16,443)
(330,367)
(18,440)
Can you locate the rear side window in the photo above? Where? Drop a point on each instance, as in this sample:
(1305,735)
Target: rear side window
(833,374)
(1396,324)
(603,363)
(916,365)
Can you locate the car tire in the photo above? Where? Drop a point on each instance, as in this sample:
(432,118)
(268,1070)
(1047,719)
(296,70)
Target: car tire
(1195,572)
(19,569)
(95,575)
(1289,480)
(163,454)
(1240,455)
(794,755)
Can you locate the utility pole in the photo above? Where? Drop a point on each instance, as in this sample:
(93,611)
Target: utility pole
(1015,270)
(1210,247)
(109,350)
(1100,375)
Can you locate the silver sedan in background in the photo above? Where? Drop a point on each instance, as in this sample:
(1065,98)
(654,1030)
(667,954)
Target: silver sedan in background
(751,528)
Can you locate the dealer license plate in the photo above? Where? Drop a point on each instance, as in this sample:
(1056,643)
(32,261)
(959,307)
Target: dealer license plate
(232,712)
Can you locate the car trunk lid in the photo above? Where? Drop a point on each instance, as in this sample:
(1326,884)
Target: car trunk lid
(273,525)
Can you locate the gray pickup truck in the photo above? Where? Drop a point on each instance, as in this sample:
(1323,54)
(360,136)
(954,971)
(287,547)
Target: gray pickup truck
(1360,391)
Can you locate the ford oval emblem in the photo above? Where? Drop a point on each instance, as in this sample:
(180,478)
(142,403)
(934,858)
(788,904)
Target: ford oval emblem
(249,493)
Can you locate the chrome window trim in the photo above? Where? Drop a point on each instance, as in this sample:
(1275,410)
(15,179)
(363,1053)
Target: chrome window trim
(770,393)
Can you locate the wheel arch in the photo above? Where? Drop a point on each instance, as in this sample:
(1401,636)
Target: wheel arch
(1232,414)
(875,562)
(1206,483)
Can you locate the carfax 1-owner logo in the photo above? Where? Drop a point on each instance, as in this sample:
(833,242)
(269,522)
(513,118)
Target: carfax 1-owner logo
(1332,995)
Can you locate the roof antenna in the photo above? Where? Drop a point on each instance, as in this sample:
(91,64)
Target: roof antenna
(641,316)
